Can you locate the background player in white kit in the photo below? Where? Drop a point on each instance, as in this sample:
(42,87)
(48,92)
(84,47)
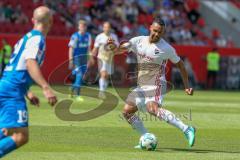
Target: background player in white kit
(105,56)
(152,54)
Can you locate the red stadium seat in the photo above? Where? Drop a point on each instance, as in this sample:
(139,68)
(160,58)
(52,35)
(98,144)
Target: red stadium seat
(215,33)
(141,18)
(201,22)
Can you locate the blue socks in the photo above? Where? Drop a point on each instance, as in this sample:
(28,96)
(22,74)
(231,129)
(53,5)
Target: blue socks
(76,86)
(6,146)
(76,91)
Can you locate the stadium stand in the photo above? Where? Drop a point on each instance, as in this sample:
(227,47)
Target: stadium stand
(128,17)
(236,3)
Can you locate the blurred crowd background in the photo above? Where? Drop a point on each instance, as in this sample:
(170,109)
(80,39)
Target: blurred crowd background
(128,17)
(191,24)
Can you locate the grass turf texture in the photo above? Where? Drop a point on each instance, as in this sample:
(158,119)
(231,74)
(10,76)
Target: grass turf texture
(214,114)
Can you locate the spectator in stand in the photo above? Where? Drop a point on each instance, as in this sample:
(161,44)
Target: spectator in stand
(230,42)
(21,19)
(2,13)
(142,30)
(191,6)
(5,54)
(8,12)
(131,12)
(221,41)
(175,13)
(213,59)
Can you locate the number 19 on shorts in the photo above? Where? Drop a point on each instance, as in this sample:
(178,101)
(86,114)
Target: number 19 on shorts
(22,116)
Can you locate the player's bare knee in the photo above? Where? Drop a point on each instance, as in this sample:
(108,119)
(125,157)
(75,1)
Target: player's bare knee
(20,137)
(104,75)
(152,108)
(128,111)
(24,137)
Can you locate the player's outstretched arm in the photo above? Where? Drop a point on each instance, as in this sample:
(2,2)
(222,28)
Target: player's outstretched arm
(123,47)
(184,75)
(35,73)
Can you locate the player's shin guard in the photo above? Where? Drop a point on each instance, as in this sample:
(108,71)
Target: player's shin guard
(6,146)
(136,123)
(170,118)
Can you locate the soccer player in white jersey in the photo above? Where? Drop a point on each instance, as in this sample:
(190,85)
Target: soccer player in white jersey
(105,56)
(18,76)
(152,54)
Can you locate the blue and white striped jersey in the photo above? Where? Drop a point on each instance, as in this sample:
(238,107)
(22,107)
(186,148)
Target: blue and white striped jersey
(80,44)
(16,79)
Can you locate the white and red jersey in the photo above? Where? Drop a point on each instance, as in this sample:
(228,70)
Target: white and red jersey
(152,59)
(99,43)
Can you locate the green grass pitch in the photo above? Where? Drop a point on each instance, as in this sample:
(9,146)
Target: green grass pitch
(216,115)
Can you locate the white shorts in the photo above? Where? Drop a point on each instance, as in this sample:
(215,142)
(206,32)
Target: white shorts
(140,96)
(105,66)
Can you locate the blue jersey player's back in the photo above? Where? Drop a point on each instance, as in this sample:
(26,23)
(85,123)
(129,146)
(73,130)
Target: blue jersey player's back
(20,72)
(16,79)
(80,44)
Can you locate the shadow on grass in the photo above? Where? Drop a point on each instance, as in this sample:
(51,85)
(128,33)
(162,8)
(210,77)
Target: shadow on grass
(193,150)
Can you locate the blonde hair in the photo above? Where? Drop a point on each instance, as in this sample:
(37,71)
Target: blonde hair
(82,22)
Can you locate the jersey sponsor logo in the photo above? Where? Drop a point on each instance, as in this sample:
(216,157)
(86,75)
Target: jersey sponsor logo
(83,45)
(157,51)
(144,56)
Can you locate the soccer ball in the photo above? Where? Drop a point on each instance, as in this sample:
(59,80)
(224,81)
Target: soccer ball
(148,141)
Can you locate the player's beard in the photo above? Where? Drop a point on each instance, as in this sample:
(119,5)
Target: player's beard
(154,38)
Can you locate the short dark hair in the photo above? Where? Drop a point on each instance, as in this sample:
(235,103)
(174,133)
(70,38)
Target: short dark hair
(159,21)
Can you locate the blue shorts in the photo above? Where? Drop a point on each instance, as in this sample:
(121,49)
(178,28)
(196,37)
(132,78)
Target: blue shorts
(80,60)
(13,113)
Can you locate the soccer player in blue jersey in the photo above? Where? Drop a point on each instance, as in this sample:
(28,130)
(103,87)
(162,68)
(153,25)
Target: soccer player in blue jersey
(18,76)
(79,47)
